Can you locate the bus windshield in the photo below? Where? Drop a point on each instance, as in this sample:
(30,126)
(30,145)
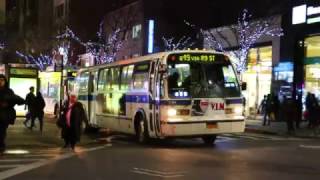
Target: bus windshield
(198,78)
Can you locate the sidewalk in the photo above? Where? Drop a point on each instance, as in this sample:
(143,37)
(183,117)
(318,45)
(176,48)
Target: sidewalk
(18,136)
(279,128)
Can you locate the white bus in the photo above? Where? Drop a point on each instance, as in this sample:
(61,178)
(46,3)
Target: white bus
(169,94)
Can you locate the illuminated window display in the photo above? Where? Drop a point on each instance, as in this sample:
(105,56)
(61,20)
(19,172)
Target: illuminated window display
(258,76)
(312,65)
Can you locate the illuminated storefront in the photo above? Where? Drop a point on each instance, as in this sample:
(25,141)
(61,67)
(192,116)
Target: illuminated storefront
(258,77)
(21,78)
(312,65)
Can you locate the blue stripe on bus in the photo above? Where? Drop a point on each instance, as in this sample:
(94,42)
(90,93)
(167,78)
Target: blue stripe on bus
(86,97)
(137,98)
(234,101)
(175,102)
(147,99)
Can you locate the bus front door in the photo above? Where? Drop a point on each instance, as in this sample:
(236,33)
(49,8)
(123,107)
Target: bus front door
(155,81)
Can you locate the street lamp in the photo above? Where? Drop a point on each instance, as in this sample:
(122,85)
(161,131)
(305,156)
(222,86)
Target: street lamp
(64,52)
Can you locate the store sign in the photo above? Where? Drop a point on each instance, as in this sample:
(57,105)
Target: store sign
(305,14)
(21,71)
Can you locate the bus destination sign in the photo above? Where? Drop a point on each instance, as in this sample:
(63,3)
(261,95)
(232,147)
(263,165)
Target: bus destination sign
(193,57)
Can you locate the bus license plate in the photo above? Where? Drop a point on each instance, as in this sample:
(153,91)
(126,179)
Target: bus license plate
(212,125)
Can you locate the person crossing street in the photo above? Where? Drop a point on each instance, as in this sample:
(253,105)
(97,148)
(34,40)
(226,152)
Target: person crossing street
(7,112)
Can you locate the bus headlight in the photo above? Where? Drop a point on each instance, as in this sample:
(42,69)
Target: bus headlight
(238,110)
(172,112)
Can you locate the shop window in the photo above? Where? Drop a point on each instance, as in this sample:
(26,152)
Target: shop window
(313,46)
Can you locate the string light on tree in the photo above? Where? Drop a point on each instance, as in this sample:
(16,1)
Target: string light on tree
(182,44)
(42,61)
(246,33)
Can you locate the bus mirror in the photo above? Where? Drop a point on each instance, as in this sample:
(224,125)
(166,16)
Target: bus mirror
(244,86)
(163,68)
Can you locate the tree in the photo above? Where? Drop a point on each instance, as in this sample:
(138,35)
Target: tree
(105,49)
(245,34)
(182,44)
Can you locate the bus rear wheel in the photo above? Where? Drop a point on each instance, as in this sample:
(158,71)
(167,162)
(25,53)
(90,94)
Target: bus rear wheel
(209,140)
(142,132)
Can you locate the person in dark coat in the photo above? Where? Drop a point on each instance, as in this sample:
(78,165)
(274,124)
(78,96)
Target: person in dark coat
(7,112)
(39,113)
(30,105)
(290,110)
(72,117)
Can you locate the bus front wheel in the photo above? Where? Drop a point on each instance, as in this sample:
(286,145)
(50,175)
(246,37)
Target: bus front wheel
(142,132)
(209,140)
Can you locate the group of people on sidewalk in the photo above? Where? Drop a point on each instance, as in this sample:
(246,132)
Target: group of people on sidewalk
(70,120)
(269,109)
(290,110)
(312,113)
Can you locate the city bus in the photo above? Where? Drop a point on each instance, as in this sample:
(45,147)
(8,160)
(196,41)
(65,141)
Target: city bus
(193,93)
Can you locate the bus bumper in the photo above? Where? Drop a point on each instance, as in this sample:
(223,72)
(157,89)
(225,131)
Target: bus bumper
(194,129)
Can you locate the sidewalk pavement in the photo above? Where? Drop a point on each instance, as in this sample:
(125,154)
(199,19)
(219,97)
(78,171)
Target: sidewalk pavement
(280,128)
(18,136)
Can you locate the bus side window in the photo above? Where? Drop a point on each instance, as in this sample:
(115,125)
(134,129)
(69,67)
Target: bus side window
(140,76)
(124,79)
(116,79)
(129,76)
(101,80)
(126,76)
(84,79)
(108,82)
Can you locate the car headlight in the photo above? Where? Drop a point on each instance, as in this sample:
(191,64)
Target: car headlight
(172,112)
(238,110)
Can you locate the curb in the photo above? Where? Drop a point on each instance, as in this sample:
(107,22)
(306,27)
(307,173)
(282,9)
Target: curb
(259,131)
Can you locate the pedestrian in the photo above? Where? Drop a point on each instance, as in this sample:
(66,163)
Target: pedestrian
(7,112)
(39,110)
(71,121)
(269,110)
(313,111)
(290,110)
(262,106)
(31,108)
(275,109)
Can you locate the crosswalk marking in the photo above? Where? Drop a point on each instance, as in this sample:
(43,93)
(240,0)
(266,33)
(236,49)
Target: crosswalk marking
(26,162)
(20,160)
(157,173)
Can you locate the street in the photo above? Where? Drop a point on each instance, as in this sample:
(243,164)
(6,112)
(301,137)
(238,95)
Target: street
(234,156)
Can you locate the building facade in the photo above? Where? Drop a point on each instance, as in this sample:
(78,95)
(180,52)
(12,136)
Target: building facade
(262,57)
(145,23)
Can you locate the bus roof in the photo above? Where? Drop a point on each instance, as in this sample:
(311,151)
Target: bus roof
(147,57)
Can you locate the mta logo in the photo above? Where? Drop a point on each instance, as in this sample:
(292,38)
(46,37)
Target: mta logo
(217,106)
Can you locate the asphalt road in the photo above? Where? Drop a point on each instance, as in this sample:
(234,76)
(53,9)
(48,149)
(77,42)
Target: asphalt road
(240,156)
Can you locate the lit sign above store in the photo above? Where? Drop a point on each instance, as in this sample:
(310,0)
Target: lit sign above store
(305,14)
(150,36)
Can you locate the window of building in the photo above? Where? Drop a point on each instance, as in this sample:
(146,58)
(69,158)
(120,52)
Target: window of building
(136,31)
(60,11)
